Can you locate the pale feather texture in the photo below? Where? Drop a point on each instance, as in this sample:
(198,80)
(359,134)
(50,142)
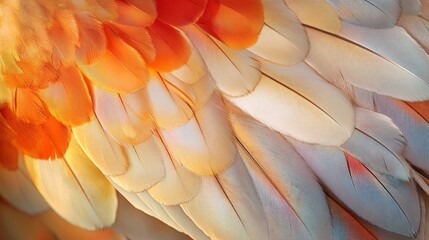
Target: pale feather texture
(401,73)
(275,167)
(282,39)
(369,13)
(224,119)
(87,199)
(398,200)
(295,87)
(378,144)
(17,188)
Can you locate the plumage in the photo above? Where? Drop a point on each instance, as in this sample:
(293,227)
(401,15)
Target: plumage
(397,76)
(369,13)
(17,188)
(378,144)
(88,200)
(119,68)
(223,119)
(304,204)
(107,155)
(68,99)
(224,212)
(359,186)
(282,39)
(316,13)
(145,166)
(283,86)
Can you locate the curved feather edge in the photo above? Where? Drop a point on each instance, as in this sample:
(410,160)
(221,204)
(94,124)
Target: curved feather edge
(282,39)
(345,226)
(228,206)
(293,201)
(368,13)
(17,188)
(87,198)
(400,73)
(359,186)
(297,96)
(316,13)
(378,143)
(414,127)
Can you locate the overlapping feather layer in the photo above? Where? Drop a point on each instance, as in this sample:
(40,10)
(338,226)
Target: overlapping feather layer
(294,119)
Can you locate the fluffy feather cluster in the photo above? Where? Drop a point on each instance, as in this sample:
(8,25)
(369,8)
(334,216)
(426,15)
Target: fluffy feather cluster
(294,119)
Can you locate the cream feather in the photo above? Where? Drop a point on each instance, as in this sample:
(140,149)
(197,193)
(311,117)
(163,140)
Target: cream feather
(282,39)
(17,188)
(75,188)
(297,97)
(394,63)
(107,155)
(294,202)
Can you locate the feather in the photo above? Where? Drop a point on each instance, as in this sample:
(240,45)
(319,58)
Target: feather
(413,7)
(52,137)
(103,151)
(148,8)
(64,230)
(236,25)
(171,47)
(131,15)
(194,95)
(31,75)
(293,201)
(369,13)
(389,55)
(134,200)
(180,12)
(316,13)
(179,185)
(87,199)
(167,109)
(68,99)
(422,108)
(117,119)
(228,206)
(282,39)
(234,71)
(145,167)
(298,96)
(64,37)
(365,192)
(204,144)
(193,70)
(8,154)
(92,40)
(158,208)
(378,144)
(345,226)
(17,188)
(119,68)
(135,224)
(414,127)
(179,216)
(138,38)
(28,107)
(417,27)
